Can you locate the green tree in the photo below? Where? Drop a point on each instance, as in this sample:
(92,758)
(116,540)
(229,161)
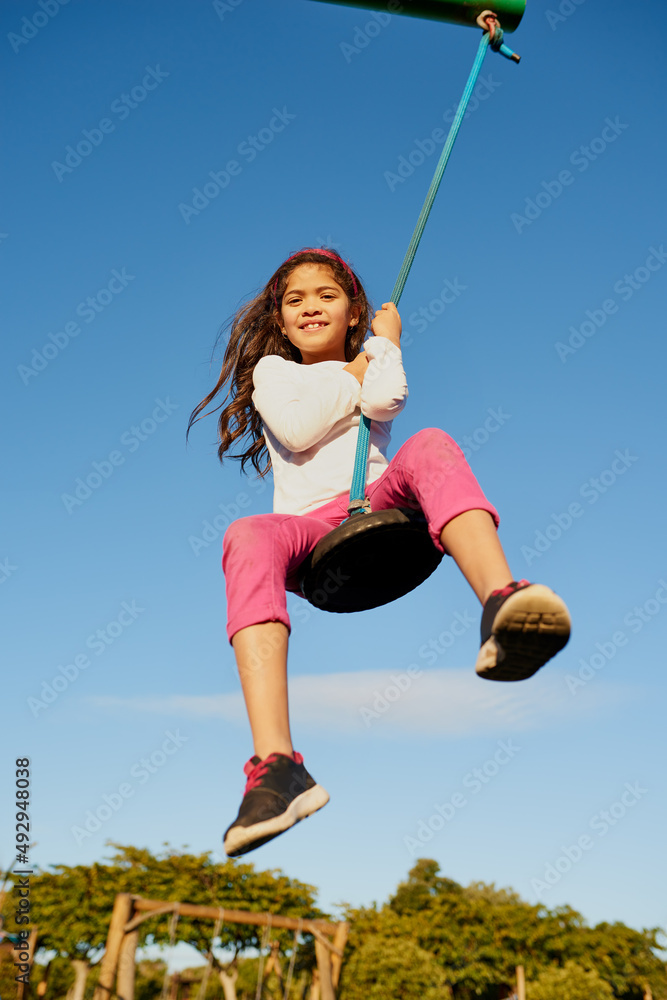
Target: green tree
(149,979)
(570,982)
(626,959)
(393,967)
(479,934)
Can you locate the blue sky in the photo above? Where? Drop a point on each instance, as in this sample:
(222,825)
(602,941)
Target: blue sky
(536,298)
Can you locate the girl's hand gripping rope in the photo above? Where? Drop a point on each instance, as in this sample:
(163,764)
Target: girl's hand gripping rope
(387,323)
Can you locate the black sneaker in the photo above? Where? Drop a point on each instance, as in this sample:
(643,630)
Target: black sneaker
(278,794)
(523,626)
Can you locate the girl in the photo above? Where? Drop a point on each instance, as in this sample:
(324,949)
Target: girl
(296,375)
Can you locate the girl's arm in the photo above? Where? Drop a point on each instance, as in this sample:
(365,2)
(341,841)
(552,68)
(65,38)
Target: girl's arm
(384,390)
(297,414)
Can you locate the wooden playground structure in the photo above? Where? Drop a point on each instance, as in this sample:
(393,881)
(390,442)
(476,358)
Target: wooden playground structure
(117,968)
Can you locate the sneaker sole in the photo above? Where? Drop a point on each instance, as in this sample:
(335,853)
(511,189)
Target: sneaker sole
(241,839)
(530,627)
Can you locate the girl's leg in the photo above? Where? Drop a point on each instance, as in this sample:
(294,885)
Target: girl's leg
(472,540)
(279,792)
(261,657)
(261,558)
(262,554)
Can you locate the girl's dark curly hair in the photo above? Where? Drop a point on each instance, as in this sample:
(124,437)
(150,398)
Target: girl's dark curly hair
(255,332)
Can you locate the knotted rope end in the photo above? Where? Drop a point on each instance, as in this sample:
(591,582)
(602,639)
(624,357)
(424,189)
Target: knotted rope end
(488,21)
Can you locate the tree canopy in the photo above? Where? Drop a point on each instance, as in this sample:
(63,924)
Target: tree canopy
(479,934)
(570,982)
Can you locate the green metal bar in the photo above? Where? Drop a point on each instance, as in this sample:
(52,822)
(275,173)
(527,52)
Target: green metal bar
(466,12)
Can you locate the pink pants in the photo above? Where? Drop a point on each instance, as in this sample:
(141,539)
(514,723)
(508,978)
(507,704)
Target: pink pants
(262,553)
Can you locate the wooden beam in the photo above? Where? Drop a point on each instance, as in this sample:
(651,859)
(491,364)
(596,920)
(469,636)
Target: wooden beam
(235,916)
(135,921)
(122,910)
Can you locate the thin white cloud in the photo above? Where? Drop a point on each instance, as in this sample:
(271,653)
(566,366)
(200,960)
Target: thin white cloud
(444,703)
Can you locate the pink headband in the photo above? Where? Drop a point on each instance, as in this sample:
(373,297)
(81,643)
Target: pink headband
(325,253)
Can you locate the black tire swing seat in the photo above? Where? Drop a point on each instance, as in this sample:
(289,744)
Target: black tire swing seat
(369,560)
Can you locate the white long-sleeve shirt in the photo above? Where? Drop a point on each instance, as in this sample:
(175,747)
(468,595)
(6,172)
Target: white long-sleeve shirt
(311,417)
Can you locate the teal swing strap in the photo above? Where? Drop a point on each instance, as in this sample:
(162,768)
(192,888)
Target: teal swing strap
(358,502)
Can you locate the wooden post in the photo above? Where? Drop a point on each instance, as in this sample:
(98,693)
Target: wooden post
(520,983)
(122,909)
(127,966)
(315,986)
(339,941)
(323,956)
(648,995)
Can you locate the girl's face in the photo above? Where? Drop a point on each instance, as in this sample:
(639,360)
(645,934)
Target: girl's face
(316,314)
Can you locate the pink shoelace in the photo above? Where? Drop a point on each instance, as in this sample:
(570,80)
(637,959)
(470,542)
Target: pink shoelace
(510,588)
(255,772)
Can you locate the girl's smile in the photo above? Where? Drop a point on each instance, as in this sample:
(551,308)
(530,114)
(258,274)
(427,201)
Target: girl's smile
(317,314)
